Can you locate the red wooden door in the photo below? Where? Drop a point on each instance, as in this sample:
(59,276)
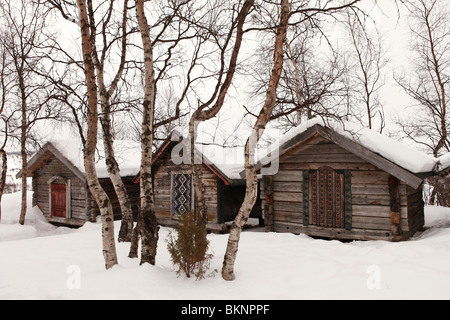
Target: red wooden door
(58,200)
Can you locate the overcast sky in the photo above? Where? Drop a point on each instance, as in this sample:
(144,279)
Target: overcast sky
(396,43)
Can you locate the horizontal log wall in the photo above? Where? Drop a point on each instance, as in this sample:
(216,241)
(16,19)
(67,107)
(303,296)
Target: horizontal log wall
(162,180)
(371,212)
(83,206)
(133,196)
(53,167)
(416,215)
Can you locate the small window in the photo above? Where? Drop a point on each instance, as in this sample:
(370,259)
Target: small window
(327,198)
(181,193)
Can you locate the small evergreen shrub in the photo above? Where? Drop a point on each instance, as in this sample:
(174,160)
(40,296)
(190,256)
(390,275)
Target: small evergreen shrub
(188,249)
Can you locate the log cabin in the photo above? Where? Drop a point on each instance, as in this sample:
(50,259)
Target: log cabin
(59,182)
(342,182)
(172,182)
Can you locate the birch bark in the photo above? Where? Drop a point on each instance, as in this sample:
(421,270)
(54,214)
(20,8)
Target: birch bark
(101,198)
(203,115)
(250,146)
(147,224)
(105,93)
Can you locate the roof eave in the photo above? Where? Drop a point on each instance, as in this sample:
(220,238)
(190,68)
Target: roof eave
(413,180)
(49,147)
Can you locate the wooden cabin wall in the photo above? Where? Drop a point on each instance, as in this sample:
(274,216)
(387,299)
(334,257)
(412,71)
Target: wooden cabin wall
(54,167)
(416,215)
(232,199)
(162,182)
(133,195)
(370,198)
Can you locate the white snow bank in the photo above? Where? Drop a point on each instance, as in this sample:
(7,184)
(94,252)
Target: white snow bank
(68,264)
(11,209)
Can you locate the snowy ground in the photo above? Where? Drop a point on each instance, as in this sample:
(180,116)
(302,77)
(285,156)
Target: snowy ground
(40,261)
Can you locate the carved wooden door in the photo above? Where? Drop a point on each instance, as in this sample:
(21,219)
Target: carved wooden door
(327,203)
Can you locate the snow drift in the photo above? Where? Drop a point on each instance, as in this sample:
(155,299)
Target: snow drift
(41,261)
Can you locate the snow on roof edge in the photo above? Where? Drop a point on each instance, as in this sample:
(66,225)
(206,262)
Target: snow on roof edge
(125,152)
(395,151)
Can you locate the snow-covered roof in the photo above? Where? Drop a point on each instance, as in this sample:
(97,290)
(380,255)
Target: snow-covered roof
(444,162)
(225,162)
(229,160)
(127,154)
(396,152)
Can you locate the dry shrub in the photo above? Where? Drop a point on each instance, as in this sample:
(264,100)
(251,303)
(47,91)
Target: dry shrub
(188,249)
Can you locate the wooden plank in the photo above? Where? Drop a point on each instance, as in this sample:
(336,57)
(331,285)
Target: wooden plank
(298,141)
(365,189)
(374,199)
(305,193)
(288,175)
(376,211)
(374,223)
(309,143)
(377,223)
(268,206)
(288,186)
(321,158)
(287,216)
(334,165)
(372,157)
(287,196)
(354,234)
(348,200)
(326,147)
(394,196)
(371,211)
(288,206)
(370,177)
(415,217)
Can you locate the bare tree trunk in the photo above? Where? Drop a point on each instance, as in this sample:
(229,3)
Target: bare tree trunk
(101,198)
(24,46)
(112,166)
(23,151)
(258,129)
(133,253)
(148,225)
(298,86)
(2,148)
(202,115)
(201,210)
(3,177)
(126,227)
